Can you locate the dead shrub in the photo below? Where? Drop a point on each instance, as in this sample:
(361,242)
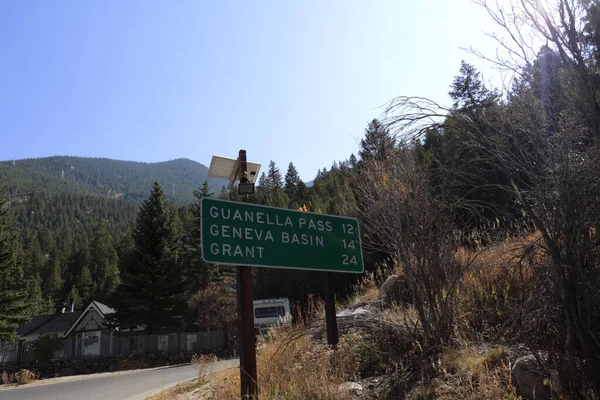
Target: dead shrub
(5,378)
(202,362)
(25,376)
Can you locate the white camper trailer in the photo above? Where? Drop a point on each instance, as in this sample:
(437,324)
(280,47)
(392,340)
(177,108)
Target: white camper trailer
(270,312)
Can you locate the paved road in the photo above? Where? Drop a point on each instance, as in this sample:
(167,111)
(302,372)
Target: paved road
(116,386)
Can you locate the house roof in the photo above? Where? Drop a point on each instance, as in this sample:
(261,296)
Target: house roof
(103,309)
(60,323)
(36,321)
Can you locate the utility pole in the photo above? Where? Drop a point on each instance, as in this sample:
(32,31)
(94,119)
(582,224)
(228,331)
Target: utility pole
(248,374)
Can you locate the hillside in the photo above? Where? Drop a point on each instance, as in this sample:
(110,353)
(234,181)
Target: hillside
(104,177)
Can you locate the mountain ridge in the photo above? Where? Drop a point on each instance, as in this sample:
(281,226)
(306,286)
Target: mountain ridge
(106,177)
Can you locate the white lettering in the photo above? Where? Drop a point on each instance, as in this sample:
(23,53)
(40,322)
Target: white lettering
(319,240)
(225,231)
(214,230)
(260,249)
(259,218)
(305,239)
(269,222)
(269,236)
(328,226)
(237,232)
(249,216)
(214,212)
(248,233)
(214,248)
(238,251)
(226,249)
(320,225)
(249,251)
(277,221)
(301,222)
(237,215)
(311,225)
(288,221)
(285,237)
(224,215)
(295,239)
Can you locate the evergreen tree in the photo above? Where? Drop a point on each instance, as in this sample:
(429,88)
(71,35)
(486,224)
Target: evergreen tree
(53,280)
(84,284)
(292,180)
(105,264)
(197,271)
(468,91)
(14,307)
(274,176)
(378,143)
(152,292)
(38,305)
(353,161)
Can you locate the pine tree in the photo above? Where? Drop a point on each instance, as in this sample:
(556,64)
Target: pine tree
(14,306)
(274,176)
(352,161)
(197,271)
(38,305)
(292,179)
(84,284)
(468,91)
(152,292)
(53,280)
(104,264)
(378,143)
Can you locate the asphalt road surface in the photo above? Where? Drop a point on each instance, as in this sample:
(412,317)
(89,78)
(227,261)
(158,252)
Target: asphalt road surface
(135,385)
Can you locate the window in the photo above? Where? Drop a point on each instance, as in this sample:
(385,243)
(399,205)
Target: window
(91,343)
(269,312)
(163,342)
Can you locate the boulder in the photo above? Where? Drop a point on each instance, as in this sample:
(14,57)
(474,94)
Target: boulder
(394,289)
(353,313)
(529,380)
(352,387)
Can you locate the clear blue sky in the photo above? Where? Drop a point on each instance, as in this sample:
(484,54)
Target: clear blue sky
(157,80)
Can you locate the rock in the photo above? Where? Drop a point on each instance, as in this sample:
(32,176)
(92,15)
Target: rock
(67,371)
(353,313)
(529,380)
(354,387)
(394,289)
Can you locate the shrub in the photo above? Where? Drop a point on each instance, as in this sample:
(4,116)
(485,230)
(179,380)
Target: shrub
(45,346)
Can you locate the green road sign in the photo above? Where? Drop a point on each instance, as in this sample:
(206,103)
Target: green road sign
(258,236)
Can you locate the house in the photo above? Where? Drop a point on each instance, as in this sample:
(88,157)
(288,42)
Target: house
(88,328)
(87,334)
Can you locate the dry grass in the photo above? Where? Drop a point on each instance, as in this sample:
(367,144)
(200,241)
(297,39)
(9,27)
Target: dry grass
(300,370)
(472,373)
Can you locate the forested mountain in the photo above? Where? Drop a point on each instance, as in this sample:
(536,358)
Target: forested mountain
(104,177)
